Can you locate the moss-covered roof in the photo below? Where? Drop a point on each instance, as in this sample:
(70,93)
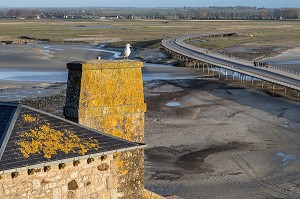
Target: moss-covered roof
(32,137)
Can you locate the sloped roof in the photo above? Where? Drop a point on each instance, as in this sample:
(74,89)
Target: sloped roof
(32,137)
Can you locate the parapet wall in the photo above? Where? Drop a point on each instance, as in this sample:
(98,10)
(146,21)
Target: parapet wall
(108,96)
(89,179)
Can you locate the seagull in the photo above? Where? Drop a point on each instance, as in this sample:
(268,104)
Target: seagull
(126,52)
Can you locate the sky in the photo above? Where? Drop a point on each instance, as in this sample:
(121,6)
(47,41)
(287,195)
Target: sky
(149,3)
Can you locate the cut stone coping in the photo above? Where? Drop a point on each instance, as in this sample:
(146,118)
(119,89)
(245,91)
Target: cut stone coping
(104,64)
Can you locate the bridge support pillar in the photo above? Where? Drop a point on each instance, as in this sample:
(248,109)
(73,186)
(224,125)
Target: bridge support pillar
(219,72)
(232,75)
(207,68)
(226,74)
(273,89)
(285,90)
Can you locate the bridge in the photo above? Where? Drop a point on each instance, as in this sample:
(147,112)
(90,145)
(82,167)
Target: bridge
(177,46)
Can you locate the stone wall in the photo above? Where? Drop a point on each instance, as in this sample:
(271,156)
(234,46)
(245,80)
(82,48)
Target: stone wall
(108,96)
(96,179)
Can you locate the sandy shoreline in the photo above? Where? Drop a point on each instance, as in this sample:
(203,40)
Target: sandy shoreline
(289,59)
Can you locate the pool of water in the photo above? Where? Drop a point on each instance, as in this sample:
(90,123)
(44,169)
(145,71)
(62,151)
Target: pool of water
(33,76)
(173,104)
(150,71)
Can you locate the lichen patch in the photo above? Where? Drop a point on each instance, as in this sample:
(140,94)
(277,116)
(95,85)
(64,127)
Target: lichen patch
(42,138)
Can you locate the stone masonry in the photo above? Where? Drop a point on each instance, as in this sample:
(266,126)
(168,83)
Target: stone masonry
(108,96)
(93,179)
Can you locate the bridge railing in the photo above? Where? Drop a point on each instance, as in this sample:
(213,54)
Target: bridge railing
(229,67)
(189,37)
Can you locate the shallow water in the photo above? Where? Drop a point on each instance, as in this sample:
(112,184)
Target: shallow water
(289,59)
(33,76)
(173,104)
(38,74)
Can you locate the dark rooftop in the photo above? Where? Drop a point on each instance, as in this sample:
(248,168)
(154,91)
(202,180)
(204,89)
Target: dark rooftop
(32,137)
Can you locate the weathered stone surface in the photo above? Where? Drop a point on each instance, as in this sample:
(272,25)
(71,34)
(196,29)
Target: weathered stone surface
(112,182)
(150,195)
(36,184)
(74,174)
(72,185)
(71,195)
(89,181)
(56,193)
(113,104)
(103,167)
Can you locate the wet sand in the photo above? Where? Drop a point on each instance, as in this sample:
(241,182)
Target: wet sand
(289,59)
(220,141)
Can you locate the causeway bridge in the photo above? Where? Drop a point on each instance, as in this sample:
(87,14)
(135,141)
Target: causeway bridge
(178,47)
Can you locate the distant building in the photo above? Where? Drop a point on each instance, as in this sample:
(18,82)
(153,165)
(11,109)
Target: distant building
(112,17)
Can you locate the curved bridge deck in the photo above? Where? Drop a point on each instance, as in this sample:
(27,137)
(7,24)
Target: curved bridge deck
(180,47)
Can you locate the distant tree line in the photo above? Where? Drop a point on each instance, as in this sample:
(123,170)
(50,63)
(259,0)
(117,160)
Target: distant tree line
(239,13)
(216,13)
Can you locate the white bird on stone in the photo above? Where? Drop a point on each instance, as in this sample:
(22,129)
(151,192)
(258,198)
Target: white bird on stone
(126,52)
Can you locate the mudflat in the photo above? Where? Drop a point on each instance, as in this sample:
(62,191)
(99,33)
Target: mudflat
(206,138)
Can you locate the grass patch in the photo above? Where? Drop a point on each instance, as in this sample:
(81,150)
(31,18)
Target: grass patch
(147,33)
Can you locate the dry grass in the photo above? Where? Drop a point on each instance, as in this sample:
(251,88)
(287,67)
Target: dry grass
(145,33)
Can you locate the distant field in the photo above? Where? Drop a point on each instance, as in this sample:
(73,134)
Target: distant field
(145,33)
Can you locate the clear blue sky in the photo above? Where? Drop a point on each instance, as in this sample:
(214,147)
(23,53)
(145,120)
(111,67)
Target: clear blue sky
(149,3)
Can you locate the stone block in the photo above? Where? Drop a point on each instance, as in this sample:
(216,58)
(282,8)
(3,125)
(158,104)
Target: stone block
(74,174)
(114,194)
(112,182)
(108,96)
(36,184)
(56,193)
(72,185)
(103,167)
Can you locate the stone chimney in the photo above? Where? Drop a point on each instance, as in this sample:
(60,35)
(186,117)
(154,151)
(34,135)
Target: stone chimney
(108,96)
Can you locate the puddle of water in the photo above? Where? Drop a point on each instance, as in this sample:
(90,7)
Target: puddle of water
(286,159)
(291,125)
(50,49)
(290,62)
(173,104)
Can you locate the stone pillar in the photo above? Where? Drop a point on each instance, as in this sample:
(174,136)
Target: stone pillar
(108,96)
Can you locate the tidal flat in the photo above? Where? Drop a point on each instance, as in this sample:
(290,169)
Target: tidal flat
(222,141)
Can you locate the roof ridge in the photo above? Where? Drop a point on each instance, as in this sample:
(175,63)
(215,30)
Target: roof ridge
(9,127)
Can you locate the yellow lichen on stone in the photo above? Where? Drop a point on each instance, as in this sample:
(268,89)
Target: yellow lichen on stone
(111,100)
(43,139)
(150,195)
(120,87)
(28,118)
